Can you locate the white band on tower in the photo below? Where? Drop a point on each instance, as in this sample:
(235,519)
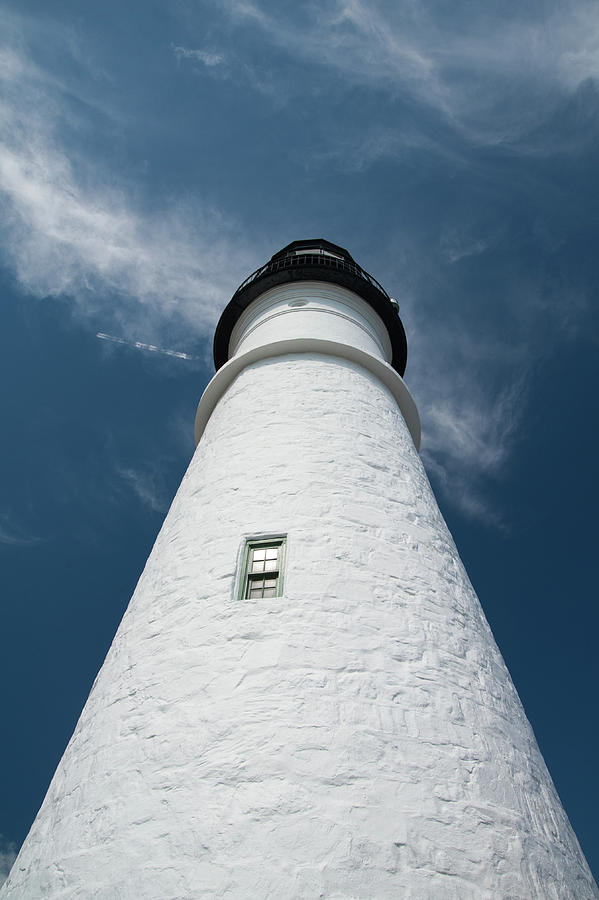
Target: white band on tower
(310,318)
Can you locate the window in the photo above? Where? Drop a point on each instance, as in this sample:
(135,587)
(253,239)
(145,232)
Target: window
(263,569)
(316,251)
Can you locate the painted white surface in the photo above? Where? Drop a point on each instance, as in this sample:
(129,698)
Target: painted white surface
(358,738)
(308,309)
(385,373)
(310,317)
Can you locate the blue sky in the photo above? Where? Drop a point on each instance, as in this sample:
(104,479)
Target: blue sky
(152,154)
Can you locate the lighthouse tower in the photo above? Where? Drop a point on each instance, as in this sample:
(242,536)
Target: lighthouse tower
(304,698)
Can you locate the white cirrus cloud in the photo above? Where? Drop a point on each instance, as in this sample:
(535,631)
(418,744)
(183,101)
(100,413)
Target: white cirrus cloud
(71,229)
(494,76)
(469,427)
(208,57)
(147,485)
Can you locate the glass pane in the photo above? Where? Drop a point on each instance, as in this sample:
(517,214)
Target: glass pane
(272,552)
(259,554)
(270,565)
(258,566)
(256,592)
(269,592)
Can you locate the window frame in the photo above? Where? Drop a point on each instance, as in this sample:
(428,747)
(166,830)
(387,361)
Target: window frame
(279,541)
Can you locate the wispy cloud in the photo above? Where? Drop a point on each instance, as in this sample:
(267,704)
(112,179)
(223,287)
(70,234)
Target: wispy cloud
(8,854)
(468,438)
(231,66)
(139,345)
(147,486)
(70,228)
(13,534)
(357,152)
(494,77)
(457,245)
(208,57)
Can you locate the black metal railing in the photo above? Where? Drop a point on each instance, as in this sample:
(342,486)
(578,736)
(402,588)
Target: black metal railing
(296,260)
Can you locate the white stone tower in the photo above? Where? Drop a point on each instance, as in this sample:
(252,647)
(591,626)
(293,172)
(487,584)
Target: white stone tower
(304,698)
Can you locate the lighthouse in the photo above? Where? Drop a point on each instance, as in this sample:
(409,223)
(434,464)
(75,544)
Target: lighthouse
(304,698)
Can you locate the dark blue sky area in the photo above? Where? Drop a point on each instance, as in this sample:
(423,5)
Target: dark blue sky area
(151,156)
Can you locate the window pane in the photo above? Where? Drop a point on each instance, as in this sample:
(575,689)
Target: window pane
(262,574)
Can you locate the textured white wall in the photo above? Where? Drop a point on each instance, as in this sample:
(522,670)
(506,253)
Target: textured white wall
(359,737)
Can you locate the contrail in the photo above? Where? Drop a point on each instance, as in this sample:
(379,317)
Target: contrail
(139,346)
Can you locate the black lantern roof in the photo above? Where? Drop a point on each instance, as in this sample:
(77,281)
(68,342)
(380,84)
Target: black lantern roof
(315,260)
